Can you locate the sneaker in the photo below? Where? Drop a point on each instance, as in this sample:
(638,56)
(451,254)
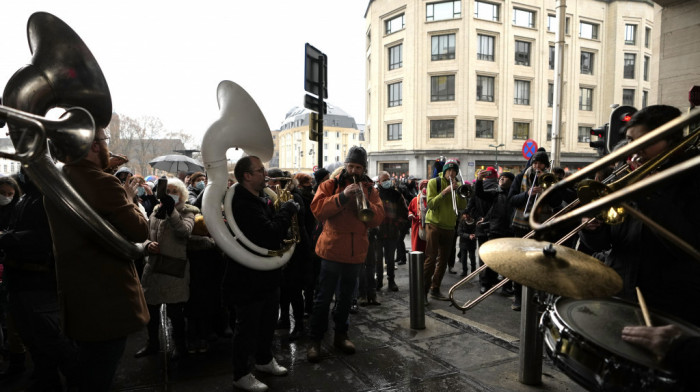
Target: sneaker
(438,295)
(249,383)
(272,368)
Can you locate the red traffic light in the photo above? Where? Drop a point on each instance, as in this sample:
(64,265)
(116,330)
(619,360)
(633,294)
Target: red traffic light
(626,117)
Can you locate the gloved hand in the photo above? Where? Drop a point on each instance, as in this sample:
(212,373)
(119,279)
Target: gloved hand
(291,206)
(166,207)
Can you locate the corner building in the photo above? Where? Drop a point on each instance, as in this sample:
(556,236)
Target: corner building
(459,78)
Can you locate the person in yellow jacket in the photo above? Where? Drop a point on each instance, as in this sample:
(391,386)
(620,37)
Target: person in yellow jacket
(440,226)
(342,247)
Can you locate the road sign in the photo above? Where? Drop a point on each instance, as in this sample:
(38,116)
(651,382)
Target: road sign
(315,72)
(529,148)
(315,168)
(315,104)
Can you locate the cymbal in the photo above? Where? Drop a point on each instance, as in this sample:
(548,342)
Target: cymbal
(552,268)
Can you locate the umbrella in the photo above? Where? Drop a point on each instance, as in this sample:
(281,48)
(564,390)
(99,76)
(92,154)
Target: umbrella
(174,163)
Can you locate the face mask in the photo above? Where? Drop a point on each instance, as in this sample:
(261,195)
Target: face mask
(200,185)
(386,184)
(140,191)
(176,198)
(4,200)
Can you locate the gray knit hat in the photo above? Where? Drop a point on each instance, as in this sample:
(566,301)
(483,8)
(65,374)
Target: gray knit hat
(357,155)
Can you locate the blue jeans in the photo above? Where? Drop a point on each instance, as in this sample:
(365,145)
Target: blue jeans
(333,275)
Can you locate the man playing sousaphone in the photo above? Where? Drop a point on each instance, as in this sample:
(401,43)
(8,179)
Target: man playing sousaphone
(343,203)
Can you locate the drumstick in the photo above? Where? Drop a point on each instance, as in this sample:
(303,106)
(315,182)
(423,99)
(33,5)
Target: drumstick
(643,305)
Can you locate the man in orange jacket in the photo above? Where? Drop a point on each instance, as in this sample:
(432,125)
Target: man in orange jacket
(342,246)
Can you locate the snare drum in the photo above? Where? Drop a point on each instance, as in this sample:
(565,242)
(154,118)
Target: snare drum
(584,339)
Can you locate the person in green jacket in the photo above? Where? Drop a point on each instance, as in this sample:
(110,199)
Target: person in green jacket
(440,226)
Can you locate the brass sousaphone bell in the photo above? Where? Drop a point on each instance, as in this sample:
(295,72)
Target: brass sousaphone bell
(64,74)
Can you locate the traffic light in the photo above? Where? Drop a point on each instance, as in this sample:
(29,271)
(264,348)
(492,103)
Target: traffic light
(600,132)
(619,117)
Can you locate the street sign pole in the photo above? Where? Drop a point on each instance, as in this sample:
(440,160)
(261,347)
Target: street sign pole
(322,80)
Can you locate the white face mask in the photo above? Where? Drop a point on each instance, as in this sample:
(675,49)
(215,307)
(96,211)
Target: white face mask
(386,184)
(4,200)
(140,191)
(176,198)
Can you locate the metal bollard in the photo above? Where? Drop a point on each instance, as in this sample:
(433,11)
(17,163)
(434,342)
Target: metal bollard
(531,341)
(417,294)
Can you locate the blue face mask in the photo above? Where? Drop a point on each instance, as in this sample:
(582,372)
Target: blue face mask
(176,198)
(386,184)
(140,191)
(200,185)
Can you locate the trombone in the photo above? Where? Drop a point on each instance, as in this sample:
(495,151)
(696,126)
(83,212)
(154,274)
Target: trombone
(464,191)
(546,182)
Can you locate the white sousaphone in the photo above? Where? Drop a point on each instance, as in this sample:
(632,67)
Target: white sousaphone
(241,125)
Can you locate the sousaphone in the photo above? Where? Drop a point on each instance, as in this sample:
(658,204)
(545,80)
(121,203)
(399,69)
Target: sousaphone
(63,73)
(242,126)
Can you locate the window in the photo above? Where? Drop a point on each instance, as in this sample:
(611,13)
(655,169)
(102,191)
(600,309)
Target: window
(484,88)
(325,146)
(646,68)
(630,34)
(485,47)
(584,134)
(628,96)
(484,129)
(395,94)
(522,53)
(587,63)
(444,10)
(553,25)
(393,131)
(550,95)
(521,130)
(337,146)
(522,92)
(325,158)
(486,11)
(442,128)
(394,24)
(585,99)
(647,37)
(523,18)
(588,30)
(396,56)
(629,61)
(552,53)
(442,88)
(443,47)
(645,98)
(325,134)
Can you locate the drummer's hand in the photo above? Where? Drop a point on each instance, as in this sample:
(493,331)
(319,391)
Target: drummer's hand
(593,225)
(656,339)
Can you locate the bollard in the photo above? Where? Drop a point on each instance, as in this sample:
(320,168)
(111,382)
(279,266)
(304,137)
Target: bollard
(531,341)
(417,294)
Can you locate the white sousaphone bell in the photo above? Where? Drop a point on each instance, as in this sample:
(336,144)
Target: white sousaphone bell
(241,125)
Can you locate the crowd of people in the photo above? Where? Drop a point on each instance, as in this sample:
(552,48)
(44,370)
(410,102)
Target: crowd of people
(349,230)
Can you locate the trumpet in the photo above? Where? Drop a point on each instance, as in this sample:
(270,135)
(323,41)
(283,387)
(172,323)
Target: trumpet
(283,194)
(364,213)
(464,191)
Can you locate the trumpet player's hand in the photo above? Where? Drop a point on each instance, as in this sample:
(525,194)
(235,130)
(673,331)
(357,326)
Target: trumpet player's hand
(482,174)
(351,190)
(536,190)
(291,206)
(154,248)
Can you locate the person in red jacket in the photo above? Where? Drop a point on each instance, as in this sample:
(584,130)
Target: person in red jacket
(342,247)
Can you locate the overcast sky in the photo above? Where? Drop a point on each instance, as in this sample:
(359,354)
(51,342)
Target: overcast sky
(166,58)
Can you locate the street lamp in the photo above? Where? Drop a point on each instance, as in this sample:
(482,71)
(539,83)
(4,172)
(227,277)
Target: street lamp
(497,147)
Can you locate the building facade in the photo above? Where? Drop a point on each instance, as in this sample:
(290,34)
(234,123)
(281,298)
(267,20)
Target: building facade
(297,153)
(474,79)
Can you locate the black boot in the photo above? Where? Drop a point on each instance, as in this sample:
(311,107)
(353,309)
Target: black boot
(152,347)
(392,285)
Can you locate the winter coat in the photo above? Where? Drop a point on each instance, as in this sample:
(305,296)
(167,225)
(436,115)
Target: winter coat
(395,214)
(99,290)
(500,215)
(479,207)
(171,234)
(344,238)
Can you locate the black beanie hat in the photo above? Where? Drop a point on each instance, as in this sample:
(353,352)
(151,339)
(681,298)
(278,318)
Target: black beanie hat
(357,155)
(320,174)
(541,156)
